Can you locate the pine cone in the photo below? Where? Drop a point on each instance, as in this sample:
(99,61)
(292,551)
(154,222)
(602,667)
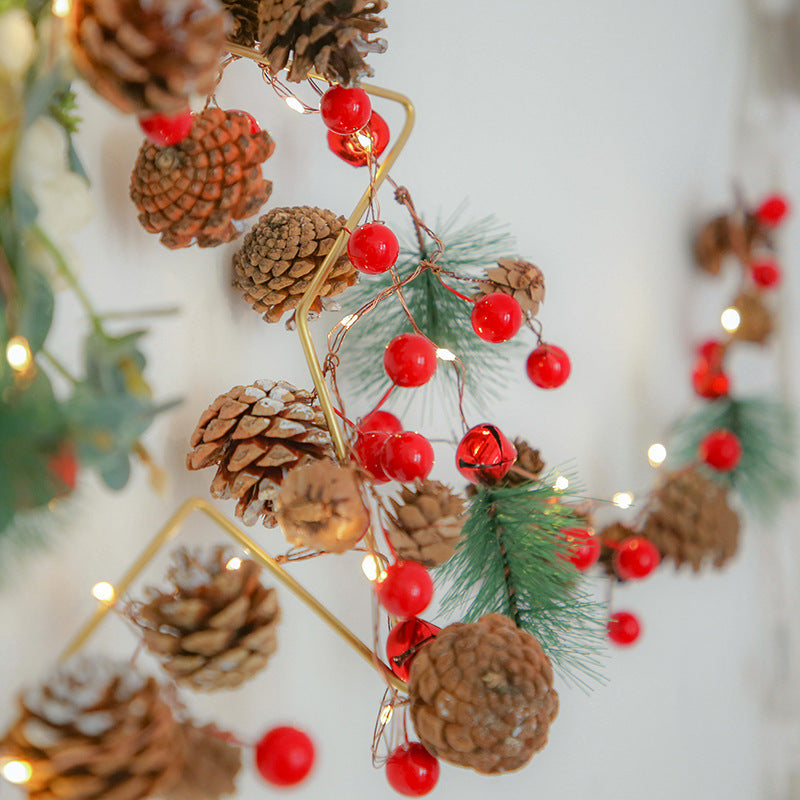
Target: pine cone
(612,535)
(244,14)
(428,523)
(482,695)
(528,459)
(691,521)
(281,254)
(194,190)
(96,729)
(215,627)
(725,235)
(211,764)
(255,435)
(756,323)
(329,37)
(320,506)
(147,56)
(521,279)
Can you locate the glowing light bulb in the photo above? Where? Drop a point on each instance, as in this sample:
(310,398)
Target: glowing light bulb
(61,8)
(622,500)
(234,563)
(730,320)
(348,321)
(445,354)
(656,454)
(15,771)
(18,353)
(386,715)
(373,568)
(561,484)
(364,140)
(104,592)
(294,104)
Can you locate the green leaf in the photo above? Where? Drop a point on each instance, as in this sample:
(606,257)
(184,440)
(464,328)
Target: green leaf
(115,365)
(36,306)
(116,472)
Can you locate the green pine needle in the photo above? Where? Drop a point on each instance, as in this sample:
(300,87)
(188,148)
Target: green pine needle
(441,316)
(512,560)
(766,475)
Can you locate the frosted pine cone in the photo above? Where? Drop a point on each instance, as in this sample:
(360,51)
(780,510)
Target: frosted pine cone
(254,435)
(519,278)
(193,191)
(482,695)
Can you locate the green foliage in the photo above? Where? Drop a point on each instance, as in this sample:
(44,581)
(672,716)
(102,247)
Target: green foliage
(63,109)
(512,560)
(766,475)
(444,318)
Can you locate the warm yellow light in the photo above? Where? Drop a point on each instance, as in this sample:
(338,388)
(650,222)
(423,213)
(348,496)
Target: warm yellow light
(373,568)
(731,319)
(656,454)
(18,353)
(386,715)
(104,592)
(348,321)
(364,140)
(294,104)
(622,499)
(17,771)
(234,563)
(445,354)
(561,484)
(61,7)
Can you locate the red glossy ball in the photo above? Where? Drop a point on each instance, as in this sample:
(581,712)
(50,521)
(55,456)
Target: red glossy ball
(712,352)
(284,756)
(584,547)
(64,465)
(496,317)
(345,110)
(411,770)
(721,450)
(372,248)
(773,210)
(367,451)
(623,628)
(353,149)
(548,366)
(404,641)
(710,383)
(765,273)
(380,421)
(485,455)
(407,456)
(636,558)
(406,590)
(166,129)
(410,359)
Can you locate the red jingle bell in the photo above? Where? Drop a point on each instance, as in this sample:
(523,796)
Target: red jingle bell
(357,148)
(623,628)
(496,317)
(773,210)
(345,110)
(765,273)
(712,351)
(411,770)
(367,451)
(721,450)
(410,360)
(166,129)
(372,248)
(548,366)
(404,641)
(407,456)
(485,455)
(380,421)
(284,756)
(406,589)
(584,547)
(635,558)
(710,383)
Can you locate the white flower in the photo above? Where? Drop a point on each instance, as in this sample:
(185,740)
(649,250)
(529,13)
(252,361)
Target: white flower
(17,42)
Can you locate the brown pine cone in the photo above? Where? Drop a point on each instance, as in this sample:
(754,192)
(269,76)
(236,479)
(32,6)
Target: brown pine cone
(725,235)
(215,627)
(428,523)
(756,323)
(612,535)
(691,521)
(147,56)
(192,192)
(329,37)
(280,256)
(320,506)
(482,695)
(528,459)
(96,729)
(521,279)
(244,14)
(255,435)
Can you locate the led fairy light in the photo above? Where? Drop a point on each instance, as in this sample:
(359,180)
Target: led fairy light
(61,8)
(730,319)
(16,771)
(623,500)
(18,353)
(104,592)
(656,454)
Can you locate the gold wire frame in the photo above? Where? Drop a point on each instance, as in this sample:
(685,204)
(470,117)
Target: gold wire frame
(175,523)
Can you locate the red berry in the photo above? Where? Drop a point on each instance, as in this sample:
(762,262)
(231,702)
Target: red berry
(284,756)
(353,149)
(64,465)
(636,558)
(773,210)
(721,450)
(584,547)
(406,590)
(709,383)
(623,628)
(372,248)
(485,455)
(404,641)
(165,129)
(765,273)
(548,366)
(345,110)
(411,770)
(407,456)
(410,359)
(367,451)
(496,317)
(380,421)
(713,352)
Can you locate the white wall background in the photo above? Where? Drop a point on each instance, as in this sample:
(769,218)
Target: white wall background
(600,131)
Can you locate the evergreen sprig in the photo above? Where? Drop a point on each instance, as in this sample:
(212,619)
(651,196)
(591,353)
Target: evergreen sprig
(444,318)
(767,430)
(512,560)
